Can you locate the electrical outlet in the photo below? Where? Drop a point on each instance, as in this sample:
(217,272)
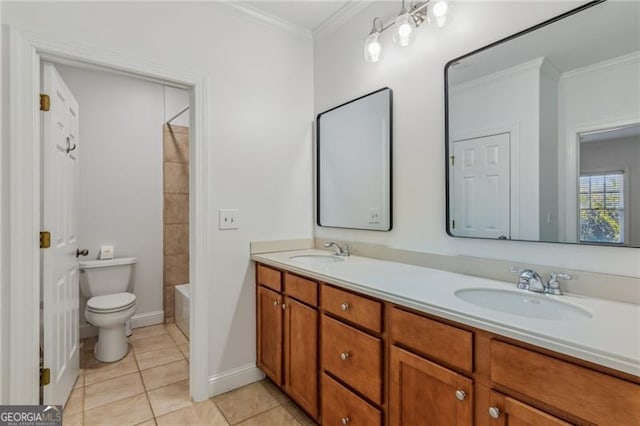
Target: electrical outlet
(228,219)
(374,215)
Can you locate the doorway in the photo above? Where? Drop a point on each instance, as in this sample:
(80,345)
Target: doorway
(27,50)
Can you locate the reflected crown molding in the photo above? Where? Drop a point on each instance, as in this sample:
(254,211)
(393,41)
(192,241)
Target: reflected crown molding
(269,18)
(332,23)
(340,17)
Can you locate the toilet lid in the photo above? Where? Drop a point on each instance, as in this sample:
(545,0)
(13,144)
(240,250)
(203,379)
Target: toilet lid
(111,302)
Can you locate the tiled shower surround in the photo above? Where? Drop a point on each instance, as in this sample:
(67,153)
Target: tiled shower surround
(176,213)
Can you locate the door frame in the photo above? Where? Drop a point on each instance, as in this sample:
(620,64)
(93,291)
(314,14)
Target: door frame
(26,49)
(568,208)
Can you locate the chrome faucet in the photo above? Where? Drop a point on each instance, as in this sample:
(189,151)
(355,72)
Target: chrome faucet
(340,251)
(529,280)
(532,281)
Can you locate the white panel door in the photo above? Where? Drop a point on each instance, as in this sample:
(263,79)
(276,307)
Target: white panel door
(482,187)
(59,280)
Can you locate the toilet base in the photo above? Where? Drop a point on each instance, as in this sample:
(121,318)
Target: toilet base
(112,344)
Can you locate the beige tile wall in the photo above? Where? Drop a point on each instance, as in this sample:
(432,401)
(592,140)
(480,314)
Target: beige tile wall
(176,213)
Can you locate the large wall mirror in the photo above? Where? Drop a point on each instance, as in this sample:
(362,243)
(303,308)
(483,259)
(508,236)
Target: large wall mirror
(543,132)
(354,163)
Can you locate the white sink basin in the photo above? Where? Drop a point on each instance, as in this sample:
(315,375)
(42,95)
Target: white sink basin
(523,304)
(311,259)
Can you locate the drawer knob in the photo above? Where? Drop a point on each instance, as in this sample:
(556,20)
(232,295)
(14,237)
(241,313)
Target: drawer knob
(345,420)
(344,306)
(460,395)
(276,303)
(284,306)
(345,356)
(494,412)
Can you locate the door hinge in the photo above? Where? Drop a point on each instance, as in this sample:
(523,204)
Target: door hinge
(45,239)
(45,376)
(45,102)
(453,160)
(453,224)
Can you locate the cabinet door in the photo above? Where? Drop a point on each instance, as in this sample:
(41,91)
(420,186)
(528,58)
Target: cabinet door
(427,394)
(301,354)
(270,333)
(506,411)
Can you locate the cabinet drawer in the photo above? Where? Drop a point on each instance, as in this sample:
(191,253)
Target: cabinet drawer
(301,288)
(587,394)
(269,277)
(353,356)
(354,308)
(340,406)
(443,342)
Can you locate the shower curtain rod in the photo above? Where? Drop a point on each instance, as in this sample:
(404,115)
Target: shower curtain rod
(178,114)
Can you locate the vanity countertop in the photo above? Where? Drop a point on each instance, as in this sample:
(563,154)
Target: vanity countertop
(610,338)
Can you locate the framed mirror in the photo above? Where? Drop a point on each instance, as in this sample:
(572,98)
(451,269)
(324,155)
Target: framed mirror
(543,132)
(354,163)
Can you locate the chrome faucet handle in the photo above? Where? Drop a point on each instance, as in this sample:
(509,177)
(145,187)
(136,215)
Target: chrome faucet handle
(333,244)
(553,286)
(345,249)
(536,283)
(525,276)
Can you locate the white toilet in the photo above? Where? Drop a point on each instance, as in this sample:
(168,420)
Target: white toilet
(107,285)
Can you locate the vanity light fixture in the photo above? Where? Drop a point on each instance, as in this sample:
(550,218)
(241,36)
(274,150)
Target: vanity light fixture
(404,25)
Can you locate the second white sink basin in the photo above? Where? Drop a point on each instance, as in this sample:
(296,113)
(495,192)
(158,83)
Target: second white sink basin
(311,259)
(523,304)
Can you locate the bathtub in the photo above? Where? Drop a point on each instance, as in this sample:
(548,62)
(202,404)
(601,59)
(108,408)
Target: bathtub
(181,312)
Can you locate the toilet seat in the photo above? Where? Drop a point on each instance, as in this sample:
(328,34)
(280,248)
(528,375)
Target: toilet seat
(111,303)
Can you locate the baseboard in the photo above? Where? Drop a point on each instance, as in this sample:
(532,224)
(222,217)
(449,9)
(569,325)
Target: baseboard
(137,321)
(87,330)
(147,319)
(233,379)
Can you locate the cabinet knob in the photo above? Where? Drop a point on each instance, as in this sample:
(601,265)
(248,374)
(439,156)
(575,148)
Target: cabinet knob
(344,306)
(461,395)
(284,306)
(494,412)
(344,356)
(345,420)
(276,302)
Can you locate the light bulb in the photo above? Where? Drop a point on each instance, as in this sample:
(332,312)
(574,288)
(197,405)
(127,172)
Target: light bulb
(440,8)
(372,47)
(403,30)
(439,13)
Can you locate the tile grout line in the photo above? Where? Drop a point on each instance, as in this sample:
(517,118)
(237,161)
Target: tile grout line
(146,393)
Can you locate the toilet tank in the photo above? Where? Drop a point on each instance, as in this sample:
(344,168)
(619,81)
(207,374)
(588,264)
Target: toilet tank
(101,277)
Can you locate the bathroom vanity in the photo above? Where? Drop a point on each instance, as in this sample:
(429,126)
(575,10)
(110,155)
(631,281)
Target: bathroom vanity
(358,341)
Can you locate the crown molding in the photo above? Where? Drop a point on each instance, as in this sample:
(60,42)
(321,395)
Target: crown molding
(340,17)
(269,18)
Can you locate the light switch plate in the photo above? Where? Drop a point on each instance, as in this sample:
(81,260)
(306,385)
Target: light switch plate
(228,219)
(374,215)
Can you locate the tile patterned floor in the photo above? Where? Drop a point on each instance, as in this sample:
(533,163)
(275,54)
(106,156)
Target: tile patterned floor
(150,386)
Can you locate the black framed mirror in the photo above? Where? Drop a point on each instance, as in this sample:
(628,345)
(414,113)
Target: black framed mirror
(543,132)
(353,168)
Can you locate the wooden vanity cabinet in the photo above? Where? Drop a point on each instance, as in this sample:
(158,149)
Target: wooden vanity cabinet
(301,354)
(506,411)
(374,363)
(287,334)
(425,393)
(270,326)
(352,360)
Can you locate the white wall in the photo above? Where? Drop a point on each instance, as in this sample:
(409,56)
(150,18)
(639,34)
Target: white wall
(416,76)
(613,155)
(4,206)
(259,128)
(120,146)
(174,101)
